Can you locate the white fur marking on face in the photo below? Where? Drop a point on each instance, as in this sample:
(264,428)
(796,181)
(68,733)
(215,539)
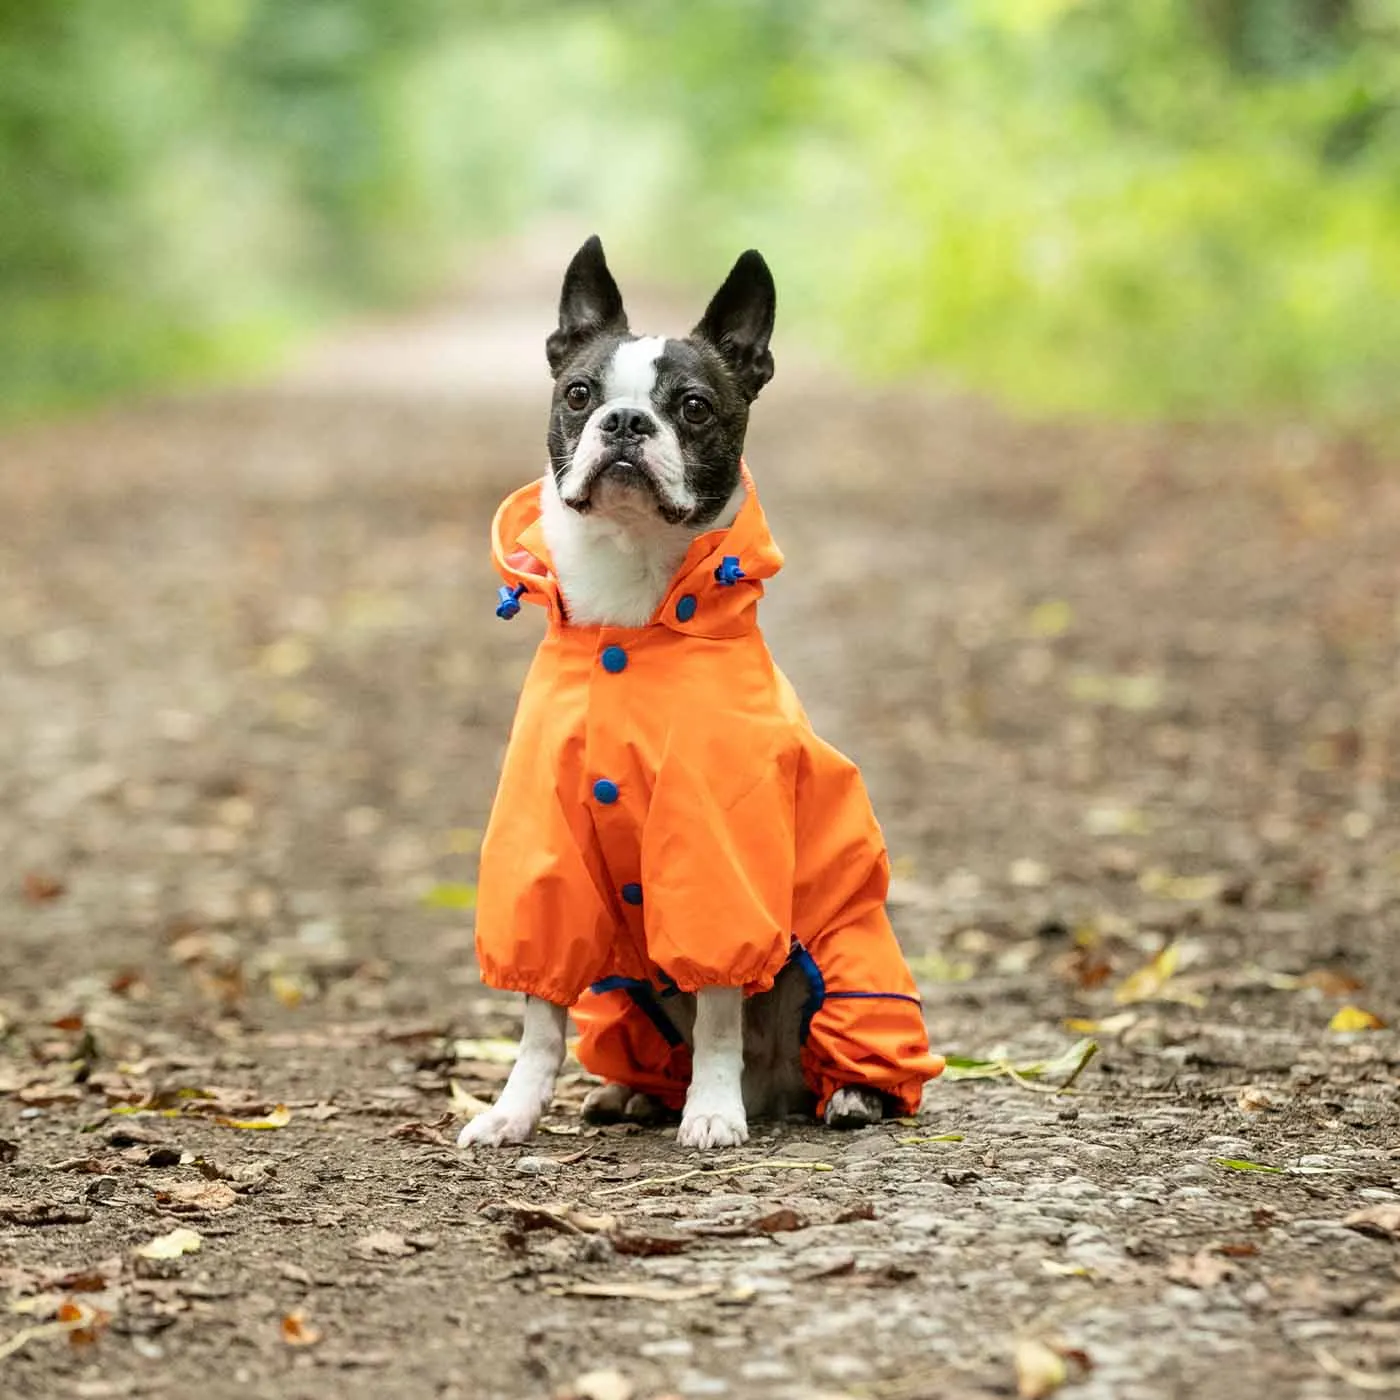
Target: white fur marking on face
(628,383)
(632,374)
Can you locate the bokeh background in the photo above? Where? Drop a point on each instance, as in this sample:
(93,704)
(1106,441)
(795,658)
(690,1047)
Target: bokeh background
(1164,207)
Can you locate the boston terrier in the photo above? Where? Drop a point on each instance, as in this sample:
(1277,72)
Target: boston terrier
(586,894)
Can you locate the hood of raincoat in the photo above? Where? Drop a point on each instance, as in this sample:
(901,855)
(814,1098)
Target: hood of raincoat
(522,557)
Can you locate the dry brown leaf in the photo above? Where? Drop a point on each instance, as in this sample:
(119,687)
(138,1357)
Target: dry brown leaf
(16,1211)
(526,1216)
(1203,1269)
(190,1196)
(1330,981)
(426,1132)
(643,1292)
(83,1321)
(384,1244)
(40,888)
(297,1331)
(1381,1221)
(650,1244)
(1254,1098)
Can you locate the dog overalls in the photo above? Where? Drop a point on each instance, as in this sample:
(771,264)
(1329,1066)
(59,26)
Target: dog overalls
(668,820)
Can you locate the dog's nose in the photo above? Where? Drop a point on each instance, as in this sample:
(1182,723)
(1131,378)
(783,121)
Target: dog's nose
(627,422)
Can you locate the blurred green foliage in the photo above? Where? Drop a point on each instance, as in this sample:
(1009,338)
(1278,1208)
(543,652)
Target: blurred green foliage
(1180,206)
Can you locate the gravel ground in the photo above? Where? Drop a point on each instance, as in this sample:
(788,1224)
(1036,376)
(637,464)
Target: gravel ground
(1128,701)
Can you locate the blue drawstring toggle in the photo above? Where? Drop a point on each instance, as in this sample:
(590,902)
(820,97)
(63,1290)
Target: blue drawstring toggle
(729,571)
(509,603)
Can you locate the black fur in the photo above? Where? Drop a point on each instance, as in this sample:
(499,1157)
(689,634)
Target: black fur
(724,362)
(590,306)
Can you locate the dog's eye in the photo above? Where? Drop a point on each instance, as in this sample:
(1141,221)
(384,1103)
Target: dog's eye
(694,409)
(577,396)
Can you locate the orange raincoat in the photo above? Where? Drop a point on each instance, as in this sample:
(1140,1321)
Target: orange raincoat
(667,820)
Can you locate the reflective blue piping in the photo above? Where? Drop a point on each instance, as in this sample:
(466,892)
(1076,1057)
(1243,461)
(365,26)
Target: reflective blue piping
(815,982)
(878,996)
(643,996)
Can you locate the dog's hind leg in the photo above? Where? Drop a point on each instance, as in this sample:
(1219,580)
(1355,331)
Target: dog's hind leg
(619,1103)
(854,1107)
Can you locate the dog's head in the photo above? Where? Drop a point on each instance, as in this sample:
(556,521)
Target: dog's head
(649,429)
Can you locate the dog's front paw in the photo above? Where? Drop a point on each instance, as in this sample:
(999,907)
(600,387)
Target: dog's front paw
(706,1128)
(498,1127)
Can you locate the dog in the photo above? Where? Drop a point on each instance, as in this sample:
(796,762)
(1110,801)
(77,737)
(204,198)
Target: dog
(673,854)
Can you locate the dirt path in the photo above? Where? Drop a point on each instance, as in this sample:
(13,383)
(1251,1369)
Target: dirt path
(1114,690)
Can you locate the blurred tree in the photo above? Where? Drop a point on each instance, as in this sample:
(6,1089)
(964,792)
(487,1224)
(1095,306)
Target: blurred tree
(1169,205)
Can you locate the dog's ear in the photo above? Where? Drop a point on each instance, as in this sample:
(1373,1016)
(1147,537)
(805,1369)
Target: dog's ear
(590,305)
(739,321)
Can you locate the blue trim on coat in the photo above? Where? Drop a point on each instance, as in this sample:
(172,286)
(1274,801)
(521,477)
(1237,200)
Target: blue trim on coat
(643,996)
(816,985)
(877,996)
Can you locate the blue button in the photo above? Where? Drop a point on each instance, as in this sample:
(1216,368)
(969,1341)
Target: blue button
(685,607)
(605,790)
(631,894)
(614,659)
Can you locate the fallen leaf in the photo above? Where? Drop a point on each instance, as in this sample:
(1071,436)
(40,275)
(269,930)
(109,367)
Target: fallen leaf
(186,1196)
(1103,1025)
(297,1331)
(648,1245)
(1059,1269)
(599,1385)
(1353,1018)
(465,1105)
(643,1292)
(450,895)
(179,1241)
(1361,1380)
(1382,1221)
(47,1094)
(1188,888)
(383,1244)
(921,1141)
(1255,1099)
(1203,1269)
(1154,982)
(1071,1062)
(278,1118)
(1244,1249)
(501,1052)
(1040,1369)
(526,1216)
(40,888)
(862,1210)
(1330,981)
(83,1321)
(777,1222)
(15,1211)
(426,1132)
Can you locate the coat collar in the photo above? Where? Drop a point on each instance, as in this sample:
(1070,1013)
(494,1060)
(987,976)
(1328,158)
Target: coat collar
(721,608)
